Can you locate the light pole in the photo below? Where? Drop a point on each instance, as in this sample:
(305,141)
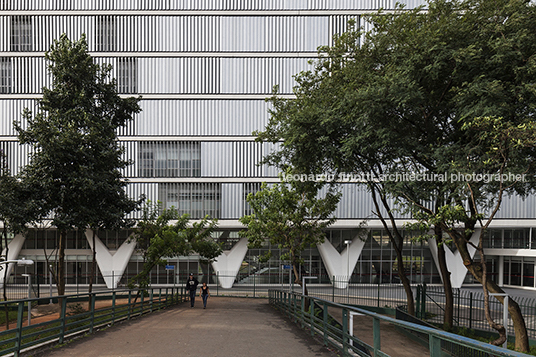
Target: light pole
(50,282)
(303,282)
(348,242)
(29,276)
(23,261)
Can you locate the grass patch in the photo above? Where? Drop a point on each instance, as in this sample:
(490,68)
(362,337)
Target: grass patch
(470,333)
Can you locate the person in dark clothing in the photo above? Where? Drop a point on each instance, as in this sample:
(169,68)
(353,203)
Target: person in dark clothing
(191,286)
(204,294)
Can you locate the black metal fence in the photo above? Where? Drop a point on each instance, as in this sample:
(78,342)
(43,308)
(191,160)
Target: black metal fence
(469,309)
(429,300)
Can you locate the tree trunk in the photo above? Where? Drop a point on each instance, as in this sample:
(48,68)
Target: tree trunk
(60,283)
(448,319)
(397,241)
(405,281)
(520,329)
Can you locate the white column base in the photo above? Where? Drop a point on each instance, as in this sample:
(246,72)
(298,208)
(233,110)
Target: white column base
(15,246)
(341,265)
(455,266)
(112,266)
(229,262)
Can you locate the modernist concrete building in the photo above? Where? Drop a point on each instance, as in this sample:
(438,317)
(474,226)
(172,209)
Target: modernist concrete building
(204,69)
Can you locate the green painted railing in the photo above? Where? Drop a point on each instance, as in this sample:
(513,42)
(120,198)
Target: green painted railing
(73,320)
(312,314)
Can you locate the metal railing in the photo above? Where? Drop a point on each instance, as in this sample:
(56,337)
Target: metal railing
(312,314)
(74,319)
(469,309)
(468,306)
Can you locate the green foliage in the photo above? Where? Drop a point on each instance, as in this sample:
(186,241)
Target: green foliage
(164,234)
(74,174)
(448,91)
(75,164)
(290,215)
(16,203)
(75,309)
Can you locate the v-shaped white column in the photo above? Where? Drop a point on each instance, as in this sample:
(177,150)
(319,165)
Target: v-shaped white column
(15,247)
(458,271)
(340,265)
(229,262)
(112,266)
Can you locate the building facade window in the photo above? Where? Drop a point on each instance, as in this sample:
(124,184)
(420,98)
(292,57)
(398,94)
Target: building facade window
(21,34)
(519,271)
(247,188)
(106,36)
(127,75)
(5,75)
(196,199)
(509,238)
(169,159)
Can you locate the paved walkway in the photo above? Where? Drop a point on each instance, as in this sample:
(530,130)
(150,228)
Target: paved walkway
(228,327)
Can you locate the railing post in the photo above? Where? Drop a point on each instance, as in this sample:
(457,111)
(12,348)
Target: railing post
(376,335)
(113,307)
(63,318)
(378,291)
(470,310)
(423,303)
(167,294)
(418,302)
(302,311)
(217,283)
(344,332)
(151,300)
(325,323)
(458,307)
(294,307)
(92,321)
(333,289)
(435,346)
(141,301)
(254,280)
(289,305)
(20,315)
(312,316)
(129,304)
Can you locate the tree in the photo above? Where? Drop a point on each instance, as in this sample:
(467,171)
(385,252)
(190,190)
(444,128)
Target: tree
(76,162)
(290,215)
(15,211)
(412,96)
(168,234)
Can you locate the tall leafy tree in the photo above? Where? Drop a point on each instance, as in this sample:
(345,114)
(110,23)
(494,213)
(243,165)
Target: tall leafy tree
(291,215)
(162,234)
(75,168)
(446,91)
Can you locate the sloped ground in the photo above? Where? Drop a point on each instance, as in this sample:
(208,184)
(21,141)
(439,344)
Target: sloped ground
(228,327)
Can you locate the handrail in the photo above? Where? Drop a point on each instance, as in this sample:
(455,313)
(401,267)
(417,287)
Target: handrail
(24,338)
(288,301)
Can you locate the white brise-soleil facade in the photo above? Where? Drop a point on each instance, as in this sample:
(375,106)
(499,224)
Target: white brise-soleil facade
(204,69)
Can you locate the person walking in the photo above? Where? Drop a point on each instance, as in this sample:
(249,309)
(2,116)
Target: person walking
(191,286)
(205,293)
